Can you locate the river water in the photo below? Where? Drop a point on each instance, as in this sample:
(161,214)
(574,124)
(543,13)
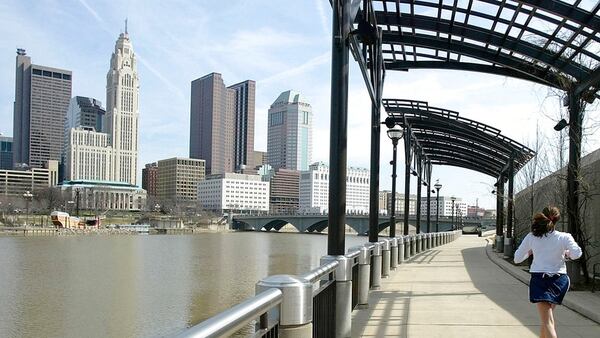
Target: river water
(139,286)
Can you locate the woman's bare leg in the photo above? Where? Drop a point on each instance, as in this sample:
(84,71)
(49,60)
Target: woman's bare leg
(547,319)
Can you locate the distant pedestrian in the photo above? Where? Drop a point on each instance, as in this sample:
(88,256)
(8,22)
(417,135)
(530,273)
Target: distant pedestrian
(549,281)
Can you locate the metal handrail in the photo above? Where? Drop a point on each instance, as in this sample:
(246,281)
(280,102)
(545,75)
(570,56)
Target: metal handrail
(232,320)
(316,274)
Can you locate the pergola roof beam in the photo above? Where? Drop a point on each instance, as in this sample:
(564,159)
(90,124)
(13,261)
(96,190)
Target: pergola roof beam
(476,34)
(446,138)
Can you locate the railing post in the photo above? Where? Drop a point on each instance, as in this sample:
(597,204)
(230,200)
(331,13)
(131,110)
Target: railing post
(343,294)
(427,241)
(400,249)
(376,266)
(295,317)
(507,247)
(364,270)
(394,252)
(499,243)
(385,257)
(406,248)
(418,243)
(412,245)
(423,242)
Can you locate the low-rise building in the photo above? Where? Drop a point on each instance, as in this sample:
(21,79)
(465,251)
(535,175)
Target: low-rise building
(231,192)
(6,154)
(150,179)
(87,155)
(445,206)
(412,204)
(16,182)
(284,189)
(314,190)
(178,178)
(104,195)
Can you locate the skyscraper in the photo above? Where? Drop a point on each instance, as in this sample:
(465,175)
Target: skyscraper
(244,105)
(85,112)
(42,96)
(122,114)
(289,140)
(222,124)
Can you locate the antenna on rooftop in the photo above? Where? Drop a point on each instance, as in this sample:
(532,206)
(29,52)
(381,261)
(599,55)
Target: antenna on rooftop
(126,26)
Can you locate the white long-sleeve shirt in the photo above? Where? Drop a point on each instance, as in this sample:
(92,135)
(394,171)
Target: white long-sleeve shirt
(548,251)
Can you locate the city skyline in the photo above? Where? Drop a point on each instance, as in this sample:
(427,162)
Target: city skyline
(290,52)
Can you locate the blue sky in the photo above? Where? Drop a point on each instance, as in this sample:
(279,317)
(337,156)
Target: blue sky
(280,44)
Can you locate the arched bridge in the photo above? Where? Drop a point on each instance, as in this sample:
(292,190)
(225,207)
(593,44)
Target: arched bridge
(318,223)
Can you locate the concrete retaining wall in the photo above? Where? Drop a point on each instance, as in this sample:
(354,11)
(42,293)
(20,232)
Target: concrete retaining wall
(552,191)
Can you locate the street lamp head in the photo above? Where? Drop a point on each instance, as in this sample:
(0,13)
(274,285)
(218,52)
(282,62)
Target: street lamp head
(453,198)
(414,173)
(493,191)
(561,125)
(395,134)
(433,191)
(437,185)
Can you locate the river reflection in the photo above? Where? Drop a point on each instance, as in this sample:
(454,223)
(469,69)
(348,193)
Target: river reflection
(138,286)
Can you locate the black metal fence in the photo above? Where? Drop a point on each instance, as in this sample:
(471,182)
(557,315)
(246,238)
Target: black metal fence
(324,310)
(355,285)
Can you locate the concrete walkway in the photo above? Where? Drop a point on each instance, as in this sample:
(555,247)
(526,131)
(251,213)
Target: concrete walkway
(455,291)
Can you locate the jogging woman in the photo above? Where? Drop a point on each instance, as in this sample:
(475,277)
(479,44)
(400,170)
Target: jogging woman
(549,281)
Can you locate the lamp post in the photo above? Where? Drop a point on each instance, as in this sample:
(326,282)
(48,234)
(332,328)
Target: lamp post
(27,196)
(437,187)
(453,199)
(394,134)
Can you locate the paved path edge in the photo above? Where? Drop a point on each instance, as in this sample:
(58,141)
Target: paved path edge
(524,278)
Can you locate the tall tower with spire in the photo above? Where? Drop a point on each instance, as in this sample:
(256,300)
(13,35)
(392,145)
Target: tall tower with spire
(122,112)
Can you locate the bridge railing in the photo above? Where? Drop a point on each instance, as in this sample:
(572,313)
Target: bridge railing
(320,302)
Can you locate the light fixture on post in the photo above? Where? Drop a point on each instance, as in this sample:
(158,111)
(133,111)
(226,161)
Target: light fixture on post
(395,135)
(28,197)
(562,124)
(366,32)
(437,187)
(453,199)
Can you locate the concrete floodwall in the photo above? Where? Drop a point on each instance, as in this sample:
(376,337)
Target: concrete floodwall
(551,190)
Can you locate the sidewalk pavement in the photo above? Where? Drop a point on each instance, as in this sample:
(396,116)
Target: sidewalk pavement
(455,291)
(583,302)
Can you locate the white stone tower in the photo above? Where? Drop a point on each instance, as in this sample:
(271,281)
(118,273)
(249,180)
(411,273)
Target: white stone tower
(122,114)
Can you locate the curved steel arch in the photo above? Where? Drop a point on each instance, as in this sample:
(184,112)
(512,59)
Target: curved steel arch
(448,139)
(551,42)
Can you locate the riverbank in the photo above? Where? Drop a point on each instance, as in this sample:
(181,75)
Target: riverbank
(49,231)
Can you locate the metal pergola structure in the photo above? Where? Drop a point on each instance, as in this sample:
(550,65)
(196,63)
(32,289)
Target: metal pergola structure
(437,136)
(550,42)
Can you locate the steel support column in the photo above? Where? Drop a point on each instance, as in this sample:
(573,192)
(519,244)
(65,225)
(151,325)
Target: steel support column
(408,159)
(376,82)
(419,161)
(510,207)
(393,199)
(338,127)
(437,210)
(428,176)
(499,202)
